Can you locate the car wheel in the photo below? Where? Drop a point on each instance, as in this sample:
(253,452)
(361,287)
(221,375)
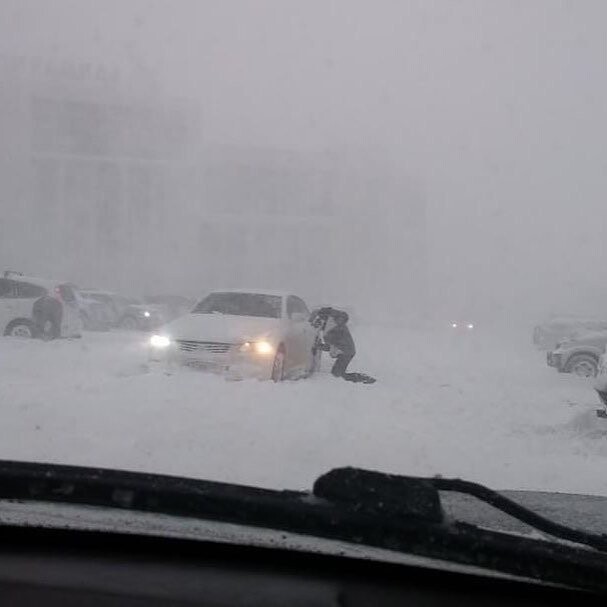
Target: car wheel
(278,366)
(21,328)
(583,365)
(129,324)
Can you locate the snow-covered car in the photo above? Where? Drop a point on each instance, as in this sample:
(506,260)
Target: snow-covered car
(600,385)
(579,355)
(547,335)
(172,306)
(38,307)
(242,333)
(95,315)
(112,303)
(128,313)
(139,316)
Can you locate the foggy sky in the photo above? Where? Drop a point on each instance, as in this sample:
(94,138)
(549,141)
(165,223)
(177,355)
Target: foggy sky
(498,108)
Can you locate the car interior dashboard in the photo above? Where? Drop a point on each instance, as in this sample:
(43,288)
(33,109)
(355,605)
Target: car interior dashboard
(64,567)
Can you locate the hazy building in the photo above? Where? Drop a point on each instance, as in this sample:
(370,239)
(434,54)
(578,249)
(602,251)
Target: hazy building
(337,226)
(106,182)
(90,158)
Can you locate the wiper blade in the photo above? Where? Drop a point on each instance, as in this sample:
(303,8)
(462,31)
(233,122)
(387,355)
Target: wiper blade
(350,484)
(521,513)
(402,514)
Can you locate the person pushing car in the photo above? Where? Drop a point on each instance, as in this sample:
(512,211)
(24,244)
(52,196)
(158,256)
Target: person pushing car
(339,343)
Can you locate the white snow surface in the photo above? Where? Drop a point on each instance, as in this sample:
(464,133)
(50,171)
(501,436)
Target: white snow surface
(480,406)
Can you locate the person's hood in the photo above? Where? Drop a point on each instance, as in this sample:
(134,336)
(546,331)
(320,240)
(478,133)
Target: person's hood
(222,328)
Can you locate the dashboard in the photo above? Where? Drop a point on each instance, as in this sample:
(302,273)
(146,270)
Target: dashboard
(60,567)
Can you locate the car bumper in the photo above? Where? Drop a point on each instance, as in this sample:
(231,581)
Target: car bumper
(232,364)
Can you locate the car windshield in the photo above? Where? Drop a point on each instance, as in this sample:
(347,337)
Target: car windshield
(241,304)
(100,297)
(373,233)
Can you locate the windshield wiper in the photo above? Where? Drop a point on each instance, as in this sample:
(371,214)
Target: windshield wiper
(398,513)
(350,484)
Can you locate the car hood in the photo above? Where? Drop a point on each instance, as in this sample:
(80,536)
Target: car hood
(589,338)
(222,328)
(562,508)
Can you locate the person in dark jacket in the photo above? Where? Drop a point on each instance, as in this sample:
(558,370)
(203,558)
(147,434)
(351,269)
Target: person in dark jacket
(340,342)
(47,314)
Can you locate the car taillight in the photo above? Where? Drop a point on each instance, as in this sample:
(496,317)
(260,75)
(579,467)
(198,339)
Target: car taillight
(57,294)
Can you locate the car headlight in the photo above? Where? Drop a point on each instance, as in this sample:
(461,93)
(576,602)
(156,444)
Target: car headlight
(470,325)
(263,347)
(146,314)
(160,341)
(259,347)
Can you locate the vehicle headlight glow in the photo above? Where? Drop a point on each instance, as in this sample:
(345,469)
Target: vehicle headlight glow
(470,326)
(454,325)
(160,341)
(146,314)
(259,347)
(263,347)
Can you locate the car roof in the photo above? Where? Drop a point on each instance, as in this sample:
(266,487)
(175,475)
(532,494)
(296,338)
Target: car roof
(97,292)
(42,282)
(273,292)
(575,319)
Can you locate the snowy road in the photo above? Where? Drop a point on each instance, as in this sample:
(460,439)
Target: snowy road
(485,408)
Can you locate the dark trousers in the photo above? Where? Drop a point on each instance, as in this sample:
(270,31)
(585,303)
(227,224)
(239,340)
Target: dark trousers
(341,364)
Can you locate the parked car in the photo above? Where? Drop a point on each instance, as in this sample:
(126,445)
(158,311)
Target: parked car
(579,355)
(128,313)
(242,334)
(38,307)
(548,334)
(139,316)
(172,306)
(94,314)
(600,385)
(113,304)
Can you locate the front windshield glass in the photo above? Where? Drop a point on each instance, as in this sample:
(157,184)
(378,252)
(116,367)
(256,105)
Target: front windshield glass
(100,297)
(428,179)
(241,304)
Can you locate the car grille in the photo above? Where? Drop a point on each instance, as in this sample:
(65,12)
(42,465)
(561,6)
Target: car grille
(203,346)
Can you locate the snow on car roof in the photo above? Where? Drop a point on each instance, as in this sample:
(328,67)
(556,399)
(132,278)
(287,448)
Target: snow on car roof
(43,282)
(97,291)
(575,319)
(272,292)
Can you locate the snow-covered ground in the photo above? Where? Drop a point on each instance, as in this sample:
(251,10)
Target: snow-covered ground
(484,407)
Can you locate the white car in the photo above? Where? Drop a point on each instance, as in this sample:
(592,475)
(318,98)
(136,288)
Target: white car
(266,335)
(19,295)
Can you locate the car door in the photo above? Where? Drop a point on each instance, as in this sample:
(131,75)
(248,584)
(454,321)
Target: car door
(25,294)
(7,303)
(309,333)
(71,323)
(297,318)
